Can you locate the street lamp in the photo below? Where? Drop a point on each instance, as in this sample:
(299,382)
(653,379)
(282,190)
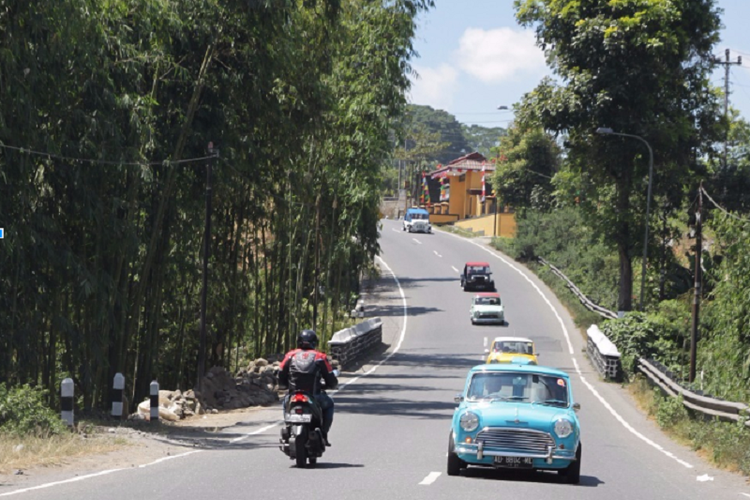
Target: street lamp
(609,131)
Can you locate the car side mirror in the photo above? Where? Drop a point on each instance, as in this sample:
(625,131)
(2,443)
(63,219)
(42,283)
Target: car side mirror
(576,406)
(459,398)
(537,355)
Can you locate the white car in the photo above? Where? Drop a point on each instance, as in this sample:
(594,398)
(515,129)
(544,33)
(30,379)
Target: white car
(417,220)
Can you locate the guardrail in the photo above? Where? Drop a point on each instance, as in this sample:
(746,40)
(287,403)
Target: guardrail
(587,303)
(606,357)
(350,344)
(604,354)
(725,410)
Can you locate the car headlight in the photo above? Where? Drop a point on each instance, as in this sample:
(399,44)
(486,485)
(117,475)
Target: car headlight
(469,421)
(563,428)
(476,314)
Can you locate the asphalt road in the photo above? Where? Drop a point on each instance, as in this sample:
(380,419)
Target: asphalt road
(391,429)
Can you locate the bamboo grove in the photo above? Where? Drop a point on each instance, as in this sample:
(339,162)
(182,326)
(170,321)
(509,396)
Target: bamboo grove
(106,111)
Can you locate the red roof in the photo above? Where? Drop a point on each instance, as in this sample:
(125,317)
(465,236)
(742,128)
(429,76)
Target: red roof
(488,294)
(478,264)
(470,162)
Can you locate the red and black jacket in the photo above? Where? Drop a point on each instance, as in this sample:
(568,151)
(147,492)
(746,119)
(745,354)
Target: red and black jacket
(303,369)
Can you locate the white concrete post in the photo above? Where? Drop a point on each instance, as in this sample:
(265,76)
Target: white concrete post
(118,387)
(154,392)
(66,400)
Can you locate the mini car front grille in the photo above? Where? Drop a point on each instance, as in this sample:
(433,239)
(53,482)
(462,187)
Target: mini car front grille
(510,439)
(489,315)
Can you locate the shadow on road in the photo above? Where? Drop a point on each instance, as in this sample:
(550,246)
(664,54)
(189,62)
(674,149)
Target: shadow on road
(398,310)
(525,476)
(334,465)
(433,410)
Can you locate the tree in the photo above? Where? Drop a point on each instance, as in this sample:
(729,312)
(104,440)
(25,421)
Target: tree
(483,140)
(527,159)
(437,121)
(640,67)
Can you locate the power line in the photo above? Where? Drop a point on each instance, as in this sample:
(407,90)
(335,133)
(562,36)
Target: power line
(100,162)
(722,208)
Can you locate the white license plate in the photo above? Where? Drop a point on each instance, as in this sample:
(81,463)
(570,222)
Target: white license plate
(299,419)
(514,462)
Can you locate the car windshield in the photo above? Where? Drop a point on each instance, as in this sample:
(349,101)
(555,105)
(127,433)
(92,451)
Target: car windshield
(420,216)
(487,301)
(477,270)
(513,346)
(526,387)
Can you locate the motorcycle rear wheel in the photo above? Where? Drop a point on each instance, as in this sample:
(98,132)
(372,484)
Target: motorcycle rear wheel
(300,454)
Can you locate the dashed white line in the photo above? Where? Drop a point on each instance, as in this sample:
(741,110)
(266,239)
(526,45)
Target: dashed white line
(431,477)
(417,241)
(436,253)
(454,268)
(395,230)
(746,494)
(591,388)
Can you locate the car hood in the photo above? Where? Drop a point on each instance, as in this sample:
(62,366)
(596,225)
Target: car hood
(504,414)
(487,308)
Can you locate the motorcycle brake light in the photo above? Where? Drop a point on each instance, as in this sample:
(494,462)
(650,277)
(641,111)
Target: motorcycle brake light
(299,410)
(299,398)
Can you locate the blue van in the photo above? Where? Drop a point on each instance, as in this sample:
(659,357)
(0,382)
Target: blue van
(417,220)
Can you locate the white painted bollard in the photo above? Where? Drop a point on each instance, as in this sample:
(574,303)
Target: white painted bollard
(154,392)
(118,387)
(66,400)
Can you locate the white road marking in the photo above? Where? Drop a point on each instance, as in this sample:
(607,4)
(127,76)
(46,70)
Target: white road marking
(431,477)
(452,267)
(436,253)
(416,241)
(704,478)
(259,431)
(395,230)
(89,476)
(591,388)
(746,494)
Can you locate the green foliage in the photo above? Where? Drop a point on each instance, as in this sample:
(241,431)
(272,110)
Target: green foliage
(483,140)
(671,412)
(102,272)
(724,348)
(527,161)
(23,411)
(447,129)
(642,68)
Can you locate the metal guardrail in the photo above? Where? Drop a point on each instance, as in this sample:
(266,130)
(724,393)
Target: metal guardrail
(725,410)
(587,303)
(350,344)
(606,358)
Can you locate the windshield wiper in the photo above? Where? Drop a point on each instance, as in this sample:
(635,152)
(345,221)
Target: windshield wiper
(508,398)
(551,402)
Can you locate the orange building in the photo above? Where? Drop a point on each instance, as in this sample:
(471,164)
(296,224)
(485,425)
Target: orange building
(461,197)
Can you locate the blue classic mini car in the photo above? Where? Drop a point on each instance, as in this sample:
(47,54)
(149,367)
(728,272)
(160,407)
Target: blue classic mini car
(516,416)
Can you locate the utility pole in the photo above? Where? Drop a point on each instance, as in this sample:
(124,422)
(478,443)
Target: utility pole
(697,285)
(727,63)
(206,253)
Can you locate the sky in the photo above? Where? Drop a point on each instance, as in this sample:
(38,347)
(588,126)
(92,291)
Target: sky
(474,57)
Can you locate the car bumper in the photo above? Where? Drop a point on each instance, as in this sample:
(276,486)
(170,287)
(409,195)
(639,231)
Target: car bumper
(477,455)
(483,321)
(479,285)
(420,229)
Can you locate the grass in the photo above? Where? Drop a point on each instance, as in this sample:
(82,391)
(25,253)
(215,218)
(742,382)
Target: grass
(724,444)
(457,230)
(25,452)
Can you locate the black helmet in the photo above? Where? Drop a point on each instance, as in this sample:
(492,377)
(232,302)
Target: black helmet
(307,339)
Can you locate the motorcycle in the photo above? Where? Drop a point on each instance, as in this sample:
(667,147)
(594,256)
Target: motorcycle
(301,438)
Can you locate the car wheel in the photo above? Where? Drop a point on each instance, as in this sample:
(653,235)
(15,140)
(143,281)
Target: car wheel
(473,322)
(572,473)
(455,464)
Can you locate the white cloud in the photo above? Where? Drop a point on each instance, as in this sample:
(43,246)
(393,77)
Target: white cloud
(497,55)
(434,86)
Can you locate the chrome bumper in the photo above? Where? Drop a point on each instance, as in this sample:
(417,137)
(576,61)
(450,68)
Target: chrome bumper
(480,452)
(489,320)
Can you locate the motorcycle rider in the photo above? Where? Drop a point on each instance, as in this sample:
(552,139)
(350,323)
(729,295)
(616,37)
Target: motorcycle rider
(303,369)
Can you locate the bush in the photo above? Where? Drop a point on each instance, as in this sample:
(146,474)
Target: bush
(671,412)
(24,412)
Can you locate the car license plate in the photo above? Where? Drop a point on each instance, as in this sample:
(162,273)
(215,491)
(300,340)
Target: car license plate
(514,462)
(298,419)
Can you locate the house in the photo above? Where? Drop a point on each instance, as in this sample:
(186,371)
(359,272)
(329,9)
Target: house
(464,202)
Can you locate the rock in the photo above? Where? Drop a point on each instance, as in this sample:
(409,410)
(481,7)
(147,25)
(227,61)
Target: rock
(18,448)
(214,411)
(261,362)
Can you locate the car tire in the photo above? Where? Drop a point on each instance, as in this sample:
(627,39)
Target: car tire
(455,464)
(572,473)
(473,322)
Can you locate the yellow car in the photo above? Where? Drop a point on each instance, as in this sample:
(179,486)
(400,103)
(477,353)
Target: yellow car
(512,350)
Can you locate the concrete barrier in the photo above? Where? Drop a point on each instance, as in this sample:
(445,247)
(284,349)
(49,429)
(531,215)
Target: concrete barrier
(351,344)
